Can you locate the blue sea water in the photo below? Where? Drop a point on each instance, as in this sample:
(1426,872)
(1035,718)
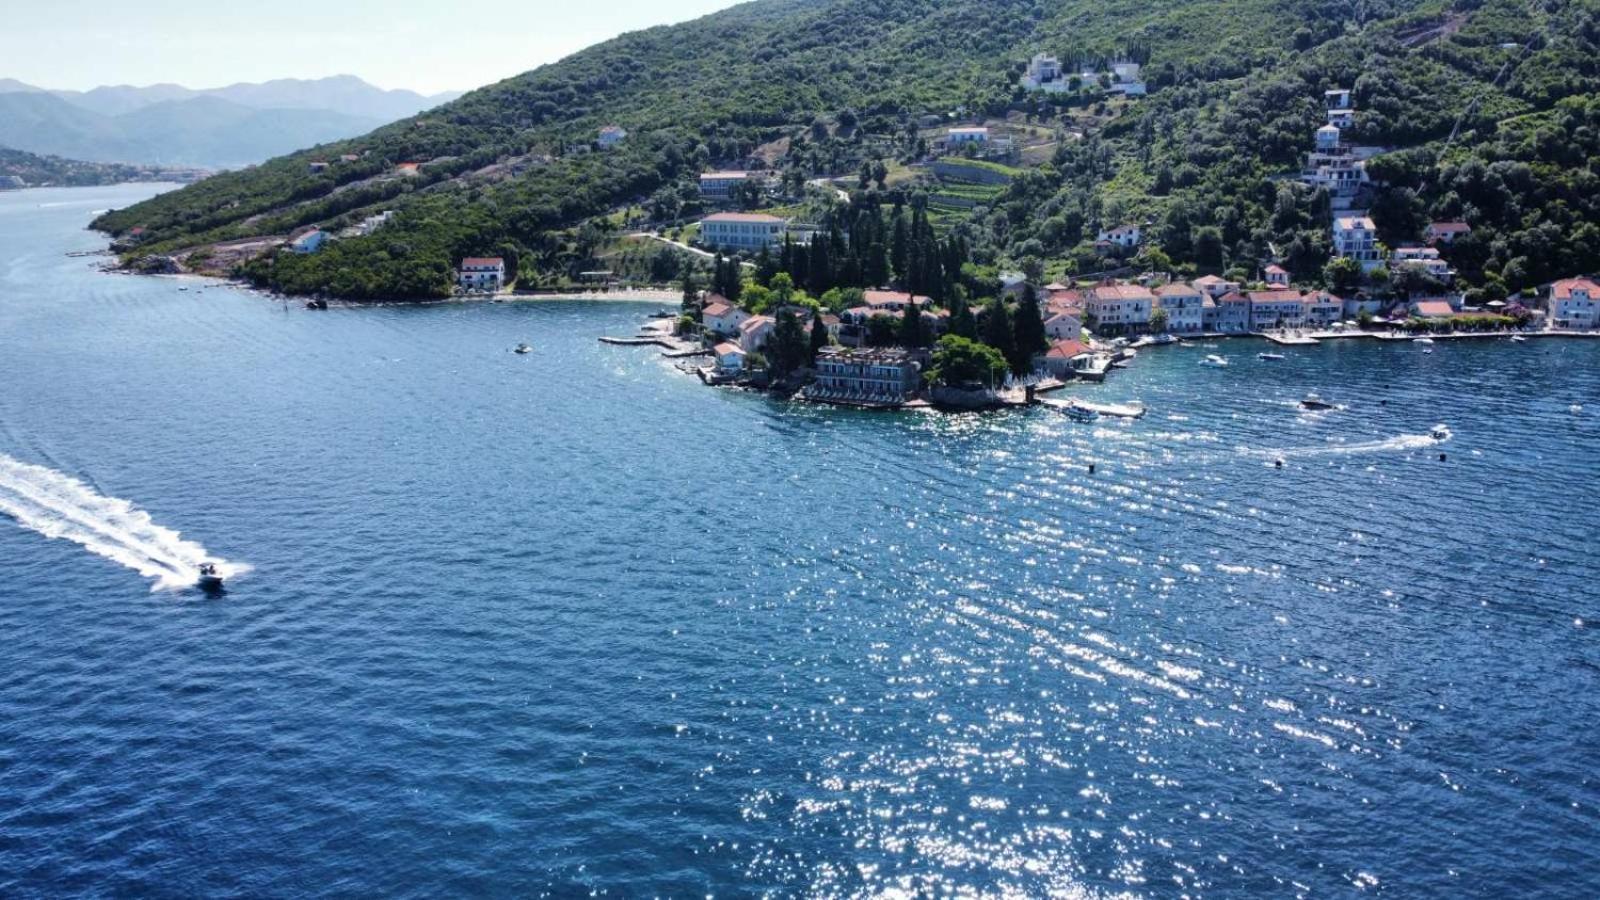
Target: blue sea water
(573,623)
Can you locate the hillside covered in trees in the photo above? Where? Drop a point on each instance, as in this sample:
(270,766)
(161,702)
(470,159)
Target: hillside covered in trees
(824,87)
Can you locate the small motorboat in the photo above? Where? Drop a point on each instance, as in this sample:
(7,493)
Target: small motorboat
(1441,433)
(1427,349)
(1081,414)
(1215,361)
(1422,340)
(209,578)
(1519,339)
(1315,402)
(1270,357)
(522,348)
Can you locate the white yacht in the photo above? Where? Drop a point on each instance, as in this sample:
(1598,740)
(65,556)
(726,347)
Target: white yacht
(1215,361)
(1422,340)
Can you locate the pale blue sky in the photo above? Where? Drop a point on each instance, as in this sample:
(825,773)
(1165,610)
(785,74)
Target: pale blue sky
(425,45)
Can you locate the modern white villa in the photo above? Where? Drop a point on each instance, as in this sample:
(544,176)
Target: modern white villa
(742,231)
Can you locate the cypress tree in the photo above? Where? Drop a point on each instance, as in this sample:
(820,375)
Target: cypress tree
(911,331)
(1030,334)
(961,321)
(997,331)
(819,335)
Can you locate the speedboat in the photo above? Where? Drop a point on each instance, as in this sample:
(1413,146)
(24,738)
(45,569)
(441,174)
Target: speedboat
(1081,414)
(1422,340)
(1441,433)
(209,578)
(1427,349)
(523,348)
(1215,361)
(1315,402)
(1519,339)
(1166,339)
(1270,357)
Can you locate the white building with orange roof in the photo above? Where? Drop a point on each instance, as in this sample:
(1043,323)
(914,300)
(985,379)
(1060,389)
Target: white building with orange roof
(755,331)
(1065,357)
(1215,287)
(1277,276)
(729,357)
(1184,306)
(1272,310)
(482,273)
(1063,326)
(722,317)
(1575,303)
(1119,307)
(1233,313)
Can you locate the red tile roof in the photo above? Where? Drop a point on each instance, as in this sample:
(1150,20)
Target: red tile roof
(1122,292)
(1176,289)
(1562,290)
(1435,309)
(1067,349)
(724,348)
(716,308)
(482,262)
(1450,228)
(893,298)
(1284,296)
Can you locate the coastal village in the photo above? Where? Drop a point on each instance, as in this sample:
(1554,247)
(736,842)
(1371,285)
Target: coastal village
(888,348)
(893,335)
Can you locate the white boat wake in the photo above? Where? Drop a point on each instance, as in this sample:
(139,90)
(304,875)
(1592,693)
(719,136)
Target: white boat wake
(59,506)
(1388,445)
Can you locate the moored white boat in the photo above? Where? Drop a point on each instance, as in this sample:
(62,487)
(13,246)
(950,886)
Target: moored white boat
(1215,361)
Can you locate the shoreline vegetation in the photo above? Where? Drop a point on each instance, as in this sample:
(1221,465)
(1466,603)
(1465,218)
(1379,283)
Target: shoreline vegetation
(1197,148)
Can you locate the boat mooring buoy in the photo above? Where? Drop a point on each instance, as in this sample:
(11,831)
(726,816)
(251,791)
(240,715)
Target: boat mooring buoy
(1278,463)
(1091,468)
(1443,457)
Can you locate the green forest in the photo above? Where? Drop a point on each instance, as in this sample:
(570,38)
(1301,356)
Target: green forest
(1487,109)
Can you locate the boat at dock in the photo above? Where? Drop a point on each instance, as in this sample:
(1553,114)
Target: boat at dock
(1519,339)
(1422,340)
(1215,361)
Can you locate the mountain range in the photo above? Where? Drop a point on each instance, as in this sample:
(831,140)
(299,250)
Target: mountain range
(168,124)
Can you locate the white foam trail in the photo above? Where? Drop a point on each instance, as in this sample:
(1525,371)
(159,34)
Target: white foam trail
(1399,442)
(59,506)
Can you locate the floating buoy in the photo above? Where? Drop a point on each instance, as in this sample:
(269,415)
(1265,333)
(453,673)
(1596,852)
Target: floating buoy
(1443,457)
(1091,468)
(1278,463)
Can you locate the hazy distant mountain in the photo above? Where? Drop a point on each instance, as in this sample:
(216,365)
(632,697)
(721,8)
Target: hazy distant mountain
(200,131)
(170,124)
(339,93)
